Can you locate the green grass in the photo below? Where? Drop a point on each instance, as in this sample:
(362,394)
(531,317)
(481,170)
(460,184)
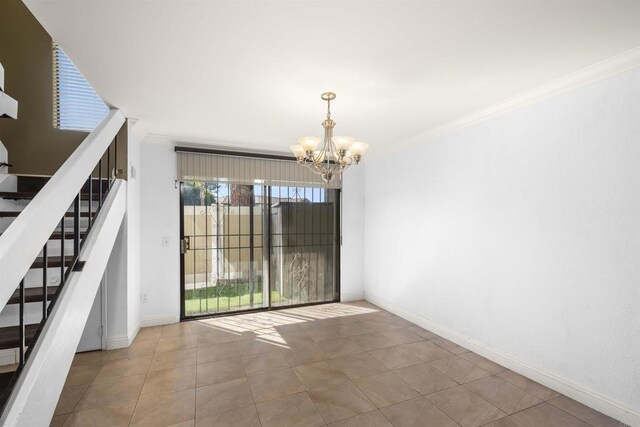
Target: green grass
(194,304)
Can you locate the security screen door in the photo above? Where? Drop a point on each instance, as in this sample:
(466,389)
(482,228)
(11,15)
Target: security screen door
(247,247)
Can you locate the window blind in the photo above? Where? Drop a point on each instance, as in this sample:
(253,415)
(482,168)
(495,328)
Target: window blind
(76,106)
(236,169)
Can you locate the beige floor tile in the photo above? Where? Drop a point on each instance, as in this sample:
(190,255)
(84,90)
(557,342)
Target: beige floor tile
(427,335)
(244,416)
(320,374)
(483,363)
(112,391)
(370,419)
(169,381)
(137,349)
(548,416)
(425,379)
(451,347)
(459,369)
(107,416)
(385,389)
(124,367)
(586,414)
(149,334)
(303,356)
(166,409)
(214,399)
(177,329)
(188,423)
(417,413)
(464,407)
(502,394)
(426,351)
(387,323)
(82,374)
(339,402)
(324,333)
(340,347)
(213,337)
(255,346)
(395,357)
(217,352)
(266,362)
(297,339)
(401,336)
(296,410)
(59,420)
(91,358)
(274,384)
(360,365)
(505,422)
(173,359)
(69,398)
(528,385)
(219,371)
(174,343)
(373,341)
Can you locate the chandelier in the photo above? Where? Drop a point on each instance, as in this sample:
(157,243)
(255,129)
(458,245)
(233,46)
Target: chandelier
(336,152)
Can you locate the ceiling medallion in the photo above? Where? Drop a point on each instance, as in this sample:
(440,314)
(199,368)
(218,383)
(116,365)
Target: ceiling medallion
(336,153)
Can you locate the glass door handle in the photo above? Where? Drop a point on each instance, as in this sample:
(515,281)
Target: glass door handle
(185,245)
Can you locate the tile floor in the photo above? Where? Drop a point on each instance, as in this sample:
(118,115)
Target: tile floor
(350,364)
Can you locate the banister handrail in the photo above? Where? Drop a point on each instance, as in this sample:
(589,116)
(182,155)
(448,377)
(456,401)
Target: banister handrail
(23,240)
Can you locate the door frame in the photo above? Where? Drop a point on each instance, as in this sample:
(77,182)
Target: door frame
(337,238)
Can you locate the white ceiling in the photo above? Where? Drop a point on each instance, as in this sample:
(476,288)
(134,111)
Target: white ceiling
(250,73)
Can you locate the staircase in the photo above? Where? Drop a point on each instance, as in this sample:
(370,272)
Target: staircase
(43,278)
(56,235)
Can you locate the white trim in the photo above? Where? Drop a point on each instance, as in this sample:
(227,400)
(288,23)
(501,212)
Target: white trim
(8,357)
(114,343)
(354,296)
(561,385)
(591,74)
(159,320)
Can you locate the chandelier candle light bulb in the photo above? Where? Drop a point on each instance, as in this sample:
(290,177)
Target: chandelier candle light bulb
(336,152)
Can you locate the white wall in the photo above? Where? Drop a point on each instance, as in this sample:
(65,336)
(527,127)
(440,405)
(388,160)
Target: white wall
(352,251)
(522,233)
(160,264)
(160,209)
(123,271)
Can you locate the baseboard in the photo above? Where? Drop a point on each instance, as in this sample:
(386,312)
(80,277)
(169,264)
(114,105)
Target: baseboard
(159,320)
(8,357)
(347,297)
(114,343)
(561,385)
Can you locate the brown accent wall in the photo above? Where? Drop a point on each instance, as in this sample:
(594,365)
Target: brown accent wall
(34,145)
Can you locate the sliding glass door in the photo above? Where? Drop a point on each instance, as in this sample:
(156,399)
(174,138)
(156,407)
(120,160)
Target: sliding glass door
(249,247)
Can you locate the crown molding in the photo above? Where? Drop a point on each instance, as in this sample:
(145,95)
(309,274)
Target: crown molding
(617,64)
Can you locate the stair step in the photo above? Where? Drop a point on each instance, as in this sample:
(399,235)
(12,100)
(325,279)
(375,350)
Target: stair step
(5,378)
(28,195)
(67,235)
(10,336)
(52,261)
(33,295)
(35,183)
(13,214)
